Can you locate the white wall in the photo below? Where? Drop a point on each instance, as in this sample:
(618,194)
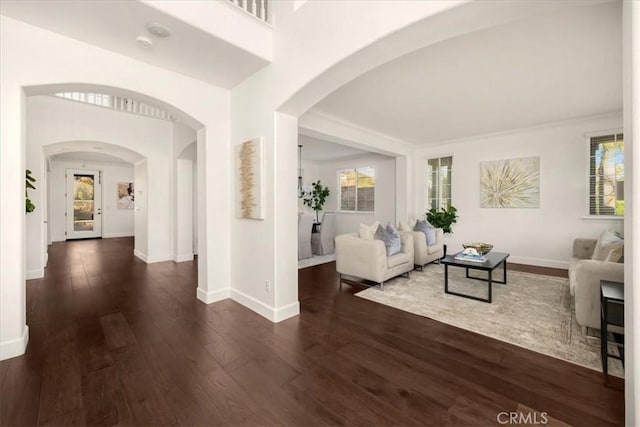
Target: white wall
(115,222)
(69,63)
(141,217)
(532,236)
(385,194)
(52,120)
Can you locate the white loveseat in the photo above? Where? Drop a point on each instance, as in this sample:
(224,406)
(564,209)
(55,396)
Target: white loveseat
(585,274)
(367,259)
(423,253)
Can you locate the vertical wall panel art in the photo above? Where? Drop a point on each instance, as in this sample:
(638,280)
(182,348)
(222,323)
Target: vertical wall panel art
(249,179)
(510,183)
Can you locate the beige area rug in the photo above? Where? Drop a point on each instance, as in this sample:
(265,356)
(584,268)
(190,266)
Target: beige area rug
(315,260)
(530,311)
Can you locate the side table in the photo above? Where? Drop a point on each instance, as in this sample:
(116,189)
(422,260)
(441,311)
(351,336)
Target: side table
(611,314)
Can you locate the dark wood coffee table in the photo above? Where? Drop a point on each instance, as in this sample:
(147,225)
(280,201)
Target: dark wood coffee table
(494,259)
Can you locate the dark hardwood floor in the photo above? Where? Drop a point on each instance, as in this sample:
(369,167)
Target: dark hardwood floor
(116,341)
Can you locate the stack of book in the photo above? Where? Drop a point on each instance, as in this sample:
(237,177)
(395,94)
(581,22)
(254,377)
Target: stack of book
(470,255)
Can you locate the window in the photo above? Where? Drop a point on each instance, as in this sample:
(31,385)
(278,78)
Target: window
(438,188)
(357,189)
(606,175)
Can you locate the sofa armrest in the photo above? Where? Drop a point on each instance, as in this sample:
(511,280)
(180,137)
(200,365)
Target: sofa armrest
(583,248)
(439,236)
(588,274)
(361,257)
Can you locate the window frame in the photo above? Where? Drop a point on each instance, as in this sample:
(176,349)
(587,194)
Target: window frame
(588,195)
(339,190)
(425,163)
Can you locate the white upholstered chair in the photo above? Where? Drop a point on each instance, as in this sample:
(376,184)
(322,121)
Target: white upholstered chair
(367,259)
(322,243)
(305,223)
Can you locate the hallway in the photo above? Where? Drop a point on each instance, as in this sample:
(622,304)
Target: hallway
(117,341)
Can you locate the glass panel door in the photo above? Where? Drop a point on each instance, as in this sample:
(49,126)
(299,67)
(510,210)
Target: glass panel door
(83,204)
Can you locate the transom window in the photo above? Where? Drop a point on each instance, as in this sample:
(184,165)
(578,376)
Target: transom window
(606,175)
(357,189)
(438,182)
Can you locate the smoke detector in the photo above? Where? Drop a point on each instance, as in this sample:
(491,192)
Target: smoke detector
(158,30)
(144,42)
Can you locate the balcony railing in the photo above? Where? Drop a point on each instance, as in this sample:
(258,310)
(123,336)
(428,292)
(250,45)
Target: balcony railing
(257,8)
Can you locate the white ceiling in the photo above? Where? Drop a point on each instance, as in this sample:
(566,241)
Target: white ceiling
(547,69)
(114,25)
(318,150)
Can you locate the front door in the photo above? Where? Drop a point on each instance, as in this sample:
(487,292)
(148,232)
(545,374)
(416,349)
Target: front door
(84,209)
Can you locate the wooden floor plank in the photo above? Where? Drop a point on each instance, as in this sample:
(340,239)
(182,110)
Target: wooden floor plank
(114,341)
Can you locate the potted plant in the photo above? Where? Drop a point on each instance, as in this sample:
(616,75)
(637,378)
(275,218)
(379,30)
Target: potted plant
(28,183)
(316,198)
(443,218)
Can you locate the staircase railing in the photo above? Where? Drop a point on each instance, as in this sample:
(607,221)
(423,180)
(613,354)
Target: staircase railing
(257,8)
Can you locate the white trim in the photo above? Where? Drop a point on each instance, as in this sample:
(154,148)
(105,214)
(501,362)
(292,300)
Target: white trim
(538,262)
(16,347)
(152,259)
(140,255)
(115,235)
(286,312)
(211,297)
(34,274)
(602,218)
(270,313)
(183,257)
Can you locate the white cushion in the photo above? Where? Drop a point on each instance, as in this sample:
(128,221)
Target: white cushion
(405,226)
(368,231)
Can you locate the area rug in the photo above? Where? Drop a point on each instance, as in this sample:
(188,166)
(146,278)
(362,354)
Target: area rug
(316,260)
(531,311)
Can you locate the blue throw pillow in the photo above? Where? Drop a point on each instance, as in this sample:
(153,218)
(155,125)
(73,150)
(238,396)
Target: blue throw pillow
(428,230)
(390,237)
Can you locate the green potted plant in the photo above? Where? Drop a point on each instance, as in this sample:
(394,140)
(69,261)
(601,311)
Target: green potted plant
(443,218)
(316,198)
(28,183)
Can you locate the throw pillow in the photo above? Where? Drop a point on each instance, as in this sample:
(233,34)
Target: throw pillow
(405,226)
(606,242)
(615,254)
(390,237)
(367,231)
(428,230)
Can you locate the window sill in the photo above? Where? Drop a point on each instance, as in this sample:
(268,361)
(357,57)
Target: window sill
(602,218)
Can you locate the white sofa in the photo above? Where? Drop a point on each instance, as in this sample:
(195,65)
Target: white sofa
(367,259)
(585,275)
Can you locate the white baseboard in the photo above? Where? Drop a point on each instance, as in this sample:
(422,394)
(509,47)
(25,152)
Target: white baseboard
(539,262)
(15,347)
(275,315)
(140,255)
(114,235)
(152,259)
(183,257)
(35,274)
(211,297)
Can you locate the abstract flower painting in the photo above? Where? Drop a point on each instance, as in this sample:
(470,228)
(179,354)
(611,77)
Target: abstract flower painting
(510,183)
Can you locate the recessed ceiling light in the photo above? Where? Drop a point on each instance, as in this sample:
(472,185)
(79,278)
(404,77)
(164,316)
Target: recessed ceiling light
(158,30)
(97,147)
(144,42)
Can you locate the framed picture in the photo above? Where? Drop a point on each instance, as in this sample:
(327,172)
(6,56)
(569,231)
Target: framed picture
(248,159)
(126,196)
(510,183)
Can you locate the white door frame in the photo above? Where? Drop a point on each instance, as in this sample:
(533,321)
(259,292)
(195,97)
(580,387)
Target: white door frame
(96,231)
